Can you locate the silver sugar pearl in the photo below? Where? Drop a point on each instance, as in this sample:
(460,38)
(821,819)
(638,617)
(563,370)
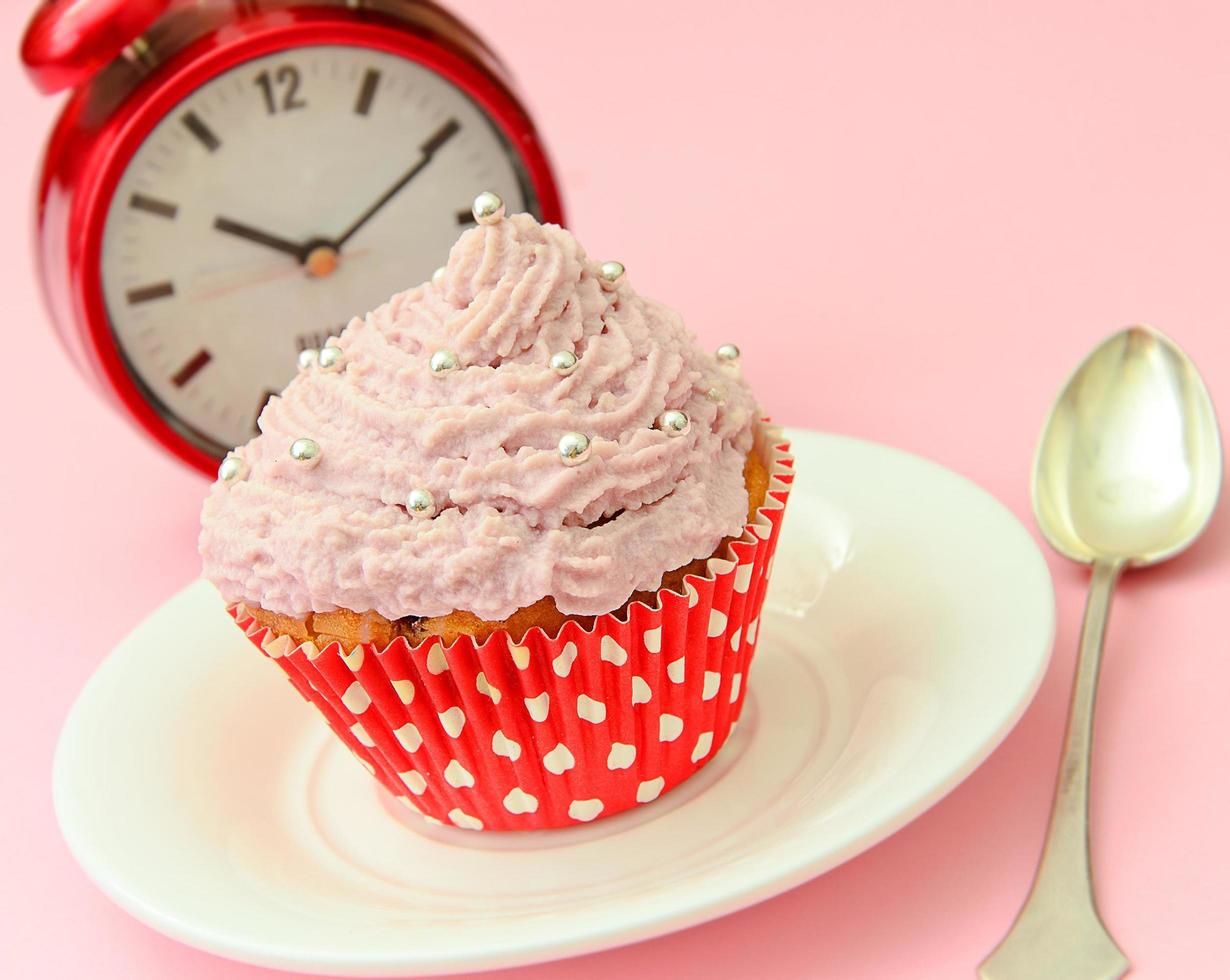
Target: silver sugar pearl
(443,362)
(307,358)
(420,503)
(574,448)
(305,451)
(728,354)
(674,422)
(611,274)
(564,362)
(716,394)
(330,358)
(232,468)
(488,208)
(437,277)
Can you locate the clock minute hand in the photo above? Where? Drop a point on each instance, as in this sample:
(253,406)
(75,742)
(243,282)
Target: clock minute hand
(429,149)
(260,237)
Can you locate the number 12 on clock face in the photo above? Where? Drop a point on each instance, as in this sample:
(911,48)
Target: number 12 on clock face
(288,80)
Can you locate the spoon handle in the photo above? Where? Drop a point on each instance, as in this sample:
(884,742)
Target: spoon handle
(1058,933)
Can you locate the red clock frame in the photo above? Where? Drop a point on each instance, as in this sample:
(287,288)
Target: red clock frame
(86,158)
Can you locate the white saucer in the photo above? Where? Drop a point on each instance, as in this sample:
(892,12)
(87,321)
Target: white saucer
(909,625)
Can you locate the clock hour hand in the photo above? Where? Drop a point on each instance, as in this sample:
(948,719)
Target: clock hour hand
(428,150)
(261,237)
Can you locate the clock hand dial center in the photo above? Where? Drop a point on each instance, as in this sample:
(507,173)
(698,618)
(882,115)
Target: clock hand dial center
(321,261)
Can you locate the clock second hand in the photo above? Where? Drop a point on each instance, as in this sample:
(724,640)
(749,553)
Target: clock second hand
(225,284)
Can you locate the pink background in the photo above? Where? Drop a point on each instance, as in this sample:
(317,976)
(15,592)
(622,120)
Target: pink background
(916,219)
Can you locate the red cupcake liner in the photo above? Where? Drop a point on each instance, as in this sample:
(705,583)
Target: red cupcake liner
(555,730)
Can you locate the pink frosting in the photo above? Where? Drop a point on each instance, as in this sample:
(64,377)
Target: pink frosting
(514,524)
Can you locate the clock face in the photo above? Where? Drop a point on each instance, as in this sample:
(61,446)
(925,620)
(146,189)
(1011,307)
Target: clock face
(273,204)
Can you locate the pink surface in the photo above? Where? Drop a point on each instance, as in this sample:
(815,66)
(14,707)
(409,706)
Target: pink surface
(944,207)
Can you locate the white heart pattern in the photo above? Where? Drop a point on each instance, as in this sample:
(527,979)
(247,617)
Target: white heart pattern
(562,665)
(736,684)
(414,781)
(481,685)
(354,659)
(743,578)
(405,690)
(641,691)
(650,790)
(717,622)
(670,727)
(409,737)
(519,801)
(704,745)
(359,732)
(612,652)
(590,710)
(437,662)
(621,756)
(501,744)
(751,630)
(520,655)
(584,810)
(713,680)
(457,775)
(453,721)
(558,760)
(653,640)
(463,819)
(538,706)
(675,670)
(356,699)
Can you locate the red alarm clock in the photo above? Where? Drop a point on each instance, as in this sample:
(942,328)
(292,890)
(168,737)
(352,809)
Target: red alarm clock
(231,181)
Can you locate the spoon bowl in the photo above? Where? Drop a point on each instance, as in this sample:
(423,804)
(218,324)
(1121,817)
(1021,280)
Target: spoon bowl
(1129,465)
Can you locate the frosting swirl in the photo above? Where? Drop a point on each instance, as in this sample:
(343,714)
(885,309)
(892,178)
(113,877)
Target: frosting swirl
(513,524)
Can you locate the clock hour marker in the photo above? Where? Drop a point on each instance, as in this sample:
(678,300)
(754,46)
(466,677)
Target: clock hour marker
(440,137)
(466,217)
(191,368)
(197,128)
(152,205)
(367,91)
(143,294)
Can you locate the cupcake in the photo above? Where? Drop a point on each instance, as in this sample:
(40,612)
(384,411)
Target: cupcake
(510,533)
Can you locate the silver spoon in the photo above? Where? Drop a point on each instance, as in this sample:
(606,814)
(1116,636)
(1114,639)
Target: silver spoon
(1127,474)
